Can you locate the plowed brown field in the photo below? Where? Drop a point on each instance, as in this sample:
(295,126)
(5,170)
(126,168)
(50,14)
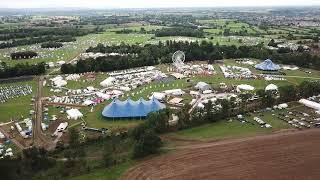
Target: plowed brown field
(291,155)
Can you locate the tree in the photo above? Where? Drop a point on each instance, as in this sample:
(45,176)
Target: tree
(74,138)
(288,93)
(184,117)
(159,121)
(149,143)
(208,112)
(244,99)
(309,88)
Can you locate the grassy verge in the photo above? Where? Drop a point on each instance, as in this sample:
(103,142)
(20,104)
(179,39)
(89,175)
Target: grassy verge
(113,173)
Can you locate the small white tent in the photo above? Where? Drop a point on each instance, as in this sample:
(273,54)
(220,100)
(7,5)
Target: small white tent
(271,87)
(202,86)
(244,87)
(158,95)
(108,82)
(74,114)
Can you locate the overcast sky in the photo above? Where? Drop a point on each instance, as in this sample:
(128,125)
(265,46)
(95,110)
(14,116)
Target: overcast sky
(150,3)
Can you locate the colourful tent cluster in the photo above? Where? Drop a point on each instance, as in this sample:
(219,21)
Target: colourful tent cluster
(131,109)
(267,65)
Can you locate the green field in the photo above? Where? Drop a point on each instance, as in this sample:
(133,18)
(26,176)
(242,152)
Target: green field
(113,173)
(224,129)
(17,107)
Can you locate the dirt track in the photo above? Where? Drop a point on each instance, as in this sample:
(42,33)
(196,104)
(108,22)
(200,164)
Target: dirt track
(292,155)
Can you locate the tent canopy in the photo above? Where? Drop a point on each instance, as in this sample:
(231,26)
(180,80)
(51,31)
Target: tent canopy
(245,87)
(203,86)
(267,65)
(74,114)
(131,109)
(271,87)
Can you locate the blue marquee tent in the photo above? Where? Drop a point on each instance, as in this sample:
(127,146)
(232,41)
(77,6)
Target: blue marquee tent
(131,109)
(267,65)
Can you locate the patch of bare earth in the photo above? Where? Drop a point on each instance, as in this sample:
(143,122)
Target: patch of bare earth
(288,155)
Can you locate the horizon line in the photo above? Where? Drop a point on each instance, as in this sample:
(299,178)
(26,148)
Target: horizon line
(168,7)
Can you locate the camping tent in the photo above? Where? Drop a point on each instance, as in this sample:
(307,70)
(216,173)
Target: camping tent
(74,114)
(310,104)
(202,86)
(271,87)
(267,65)
(131,109)
(244,87)
(108,82)
(158,95)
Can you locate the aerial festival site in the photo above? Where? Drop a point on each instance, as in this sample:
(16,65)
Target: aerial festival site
(148,90)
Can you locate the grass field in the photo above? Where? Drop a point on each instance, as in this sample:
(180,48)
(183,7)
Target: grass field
(113,173)
(17,107)
(235,129)
(71,50)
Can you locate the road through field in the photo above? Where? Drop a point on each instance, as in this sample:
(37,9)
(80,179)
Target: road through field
(290,155)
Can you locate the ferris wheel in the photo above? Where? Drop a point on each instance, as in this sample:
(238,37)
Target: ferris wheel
(178,59)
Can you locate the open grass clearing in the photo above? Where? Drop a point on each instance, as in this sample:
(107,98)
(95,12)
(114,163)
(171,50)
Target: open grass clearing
(112,173)
(235,129)
(17,107)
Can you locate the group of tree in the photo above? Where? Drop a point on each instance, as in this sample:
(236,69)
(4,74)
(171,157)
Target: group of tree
(145,135)
(289,93)
(32,161)
(21,69)
(152,54)
(51,44)
(29,41)
(180,31)
(28,36)
(129,31)
(23,55)
(21,33)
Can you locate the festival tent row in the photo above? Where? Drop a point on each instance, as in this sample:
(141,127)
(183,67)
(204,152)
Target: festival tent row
(131,109)
(267,65)
(310,104)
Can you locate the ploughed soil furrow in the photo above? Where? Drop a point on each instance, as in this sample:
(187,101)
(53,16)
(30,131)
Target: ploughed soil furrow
(292,155)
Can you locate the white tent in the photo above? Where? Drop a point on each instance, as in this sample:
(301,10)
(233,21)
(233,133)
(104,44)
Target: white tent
(158,95)
(103,96)
(58,81)
(310,104)
(202,86)
(271,87)
(175,92)
(74,114)
(108,82)
(88,102)
(244,87)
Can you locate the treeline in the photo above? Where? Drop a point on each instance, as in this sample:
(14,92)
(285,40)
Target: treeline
(179,31)
(129,31)
(23,55)
(8,34)
(51,45)
(151,54)
(21,70)
(23,42)
(103,20)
